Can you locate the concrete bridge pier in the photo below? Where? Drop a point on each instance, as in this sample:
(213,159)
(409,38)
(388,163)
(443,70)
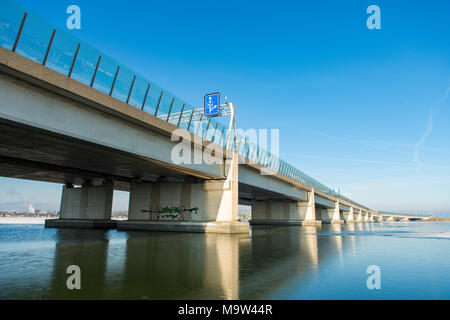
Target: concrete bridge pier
(366,217)
(350,218)
(85,207)
(359,216)
(332,215)
(285,212)
(216,200)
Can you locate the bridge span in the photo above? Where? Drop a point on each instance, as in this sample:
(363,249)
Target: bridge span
(65,123)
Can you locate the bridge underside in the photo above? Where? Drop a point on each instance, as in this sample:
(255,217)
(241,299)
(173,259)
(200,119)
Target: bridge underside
(33,154)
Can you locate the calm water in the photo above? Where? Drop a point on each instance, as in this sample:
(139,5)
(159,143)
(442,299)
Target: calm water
(271,263)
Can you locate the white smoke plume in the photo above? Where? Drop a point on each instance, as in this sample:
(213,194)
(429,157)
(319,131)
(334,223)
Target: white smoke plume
(31,208)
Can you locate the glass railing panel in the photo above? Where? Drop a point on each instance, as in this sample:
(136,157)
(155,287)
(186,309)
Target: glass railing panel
(216,133)
(207,133)
(228,138)
(123,84)
(269,160)
(273,165)
(164,105)
(85,64)
(175,112)
(246,149)
(152,98)
(192,127)
(221,136)
(189,122)
(196,127)
(185,118)
(231,141)
(105,75)
(11,16)
(250,151)
(138,93)
(255,153)
(35,38)
(62,53)
(242,146)
(283,168)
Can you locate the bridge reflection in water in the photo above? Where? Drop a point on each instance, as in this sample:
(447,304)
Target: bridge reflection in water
(151,265)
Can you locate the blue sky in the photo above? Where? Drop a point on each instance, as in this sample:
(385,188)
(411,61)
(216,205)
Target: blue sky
(367,111)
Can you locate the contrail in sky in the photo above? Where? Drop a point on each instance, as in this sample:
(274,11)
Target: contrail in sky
(434,111)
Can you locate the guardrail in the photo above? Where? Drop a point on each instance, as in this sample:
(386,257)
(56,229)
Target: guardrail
(36,39)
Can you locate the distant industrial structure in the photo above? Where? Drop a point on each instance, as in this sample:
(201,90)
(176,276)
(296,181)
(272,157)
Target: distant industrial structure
(36,214)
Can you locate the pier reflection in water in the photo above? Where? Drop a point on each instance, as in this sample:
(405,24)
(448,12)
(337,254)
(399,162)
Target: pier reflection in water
(272,262)
(149,265)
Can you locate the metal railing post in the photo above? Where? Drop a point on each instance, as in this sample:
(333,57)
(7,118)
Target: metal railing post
(145,98)
(95,72)
(49,47)
(19,33)
(199,124)
(170,110)
(190,120)
(181,114)
(74,60)
(159,101)
(131,89)
(114,81)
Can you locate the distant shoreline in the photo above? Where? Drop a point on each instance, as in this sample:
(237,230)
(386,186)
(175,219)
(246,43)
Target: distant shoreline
(439,219)
(22,220)
(31,220)
(41,221)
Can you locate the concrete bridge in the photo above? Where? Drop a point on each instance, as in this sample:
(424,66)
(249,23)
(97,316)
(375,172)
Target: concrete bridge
(385,216)
(59,129)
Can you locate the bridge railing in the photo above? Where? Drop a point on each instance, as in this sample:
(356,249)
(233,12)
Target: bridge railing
(36,39)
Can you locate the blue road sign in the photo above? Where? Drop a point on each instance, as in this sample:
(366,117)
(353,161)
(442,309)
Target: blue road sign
(212,104)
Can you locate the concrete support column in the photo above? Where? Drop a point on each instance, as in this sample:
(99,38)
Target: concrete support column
(333,215)
(366,217)
(140,199)
(311,207)
(350,217)
(260,210)
(372,219)
(274,212)
(285,212)
(216,200)
(359,217)
(86,207)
